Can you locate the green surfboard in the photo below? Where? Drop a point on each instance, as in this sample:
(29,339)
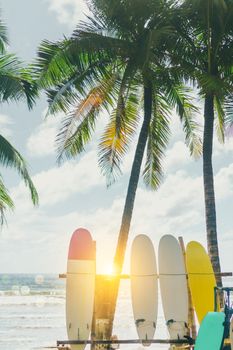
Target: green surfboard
(210,335)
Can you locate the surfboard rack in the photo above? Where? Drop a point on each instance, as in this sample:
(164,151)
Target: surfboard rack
(126,276)
(123,276)
(188,341)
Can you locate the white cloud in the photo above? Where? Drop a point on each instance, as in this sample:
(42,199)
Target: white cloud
(224,182)
(219,149)
(57,184)
(176,208)
(172,203)
(177,155)
(173,209)
(5,125)
(42,141)
(38,231)
(68,12)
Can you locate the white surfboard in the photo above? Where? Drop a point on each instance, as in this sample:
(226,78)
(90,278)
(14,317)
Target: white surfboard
(80,286)
(144,287)
(173,286)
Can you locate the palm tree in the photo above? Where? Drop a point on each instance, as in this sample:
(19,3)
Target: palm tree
(117,61)
(205,53)
(16,84)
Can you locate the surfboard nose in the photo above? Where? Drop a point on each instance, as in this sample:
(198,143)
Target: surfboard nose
(82,246)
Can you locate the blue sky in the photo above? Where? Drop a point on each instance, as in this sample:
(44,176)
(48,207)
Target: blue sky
(75,194)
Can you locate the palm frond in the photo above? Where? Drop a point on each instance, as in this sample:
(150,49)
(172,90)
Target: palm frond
(117,136)
(52,65)
(192,134)
(69,70)
(228,111)
(5,202)
(69,93)
(158,138)
(127,17)
(16,82)
(180,98)
(3,37)
(78,127)
(60,62)
(92,37)
(213,84)
(10,157)
(220,120)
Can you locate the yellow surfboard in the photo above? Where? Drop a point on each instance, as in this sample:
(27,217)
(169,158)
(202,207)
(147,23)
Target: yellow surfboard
(201,279)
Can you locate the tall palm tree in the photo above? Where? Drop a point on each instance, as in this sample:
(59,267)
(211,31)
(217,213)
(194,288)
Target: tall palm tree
(117,61)
(205,52)
(16,83)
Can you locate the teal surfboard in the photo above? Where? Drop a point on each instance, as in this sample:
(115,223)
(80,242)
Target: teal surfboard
(210,335)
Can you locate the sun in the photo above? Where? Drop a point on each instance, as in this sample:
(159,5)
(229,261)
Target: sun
(108,270)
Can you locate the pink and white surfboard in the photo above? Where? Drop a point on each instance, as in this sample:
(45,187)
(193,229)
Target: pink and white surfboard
(80,286)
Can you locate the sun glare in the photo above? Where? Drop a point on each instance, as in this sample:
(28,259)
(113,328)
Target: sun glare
(108,270)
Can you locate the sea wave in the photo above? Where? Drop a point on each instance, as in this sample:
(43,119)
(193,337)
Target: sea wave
(35,300)
(17,340)
(12,292)
(37,326)
(43,316)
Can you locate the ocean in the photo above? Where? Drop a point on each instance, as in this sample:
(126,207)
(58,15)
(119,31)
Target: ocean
(32,313)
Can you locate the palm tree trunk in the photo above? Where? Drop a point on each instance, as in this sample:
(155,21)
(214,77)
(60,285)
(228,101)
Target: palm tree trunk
(211,225)
(130,198)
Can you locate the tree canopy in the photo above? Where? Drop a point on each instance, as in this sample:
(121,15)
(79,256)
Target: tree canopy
(16,84)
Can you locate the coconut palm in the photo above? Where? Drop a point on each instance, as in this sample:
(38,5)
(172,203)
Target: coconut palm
(16,84)
(205,53)
(117,61)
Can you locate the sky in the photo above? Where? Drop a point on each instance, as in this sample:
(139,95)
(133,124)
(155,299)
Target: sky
(74,194)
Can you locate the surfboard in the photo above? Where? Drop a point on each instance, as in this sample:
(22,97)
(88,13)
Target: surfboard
(210,335)
(173,286)
(231,334)
(201,279)
(144,287)
(80,286)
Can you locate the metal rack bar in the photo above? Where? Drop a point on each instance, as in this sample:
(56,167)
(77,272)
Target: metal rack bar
(125,341)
